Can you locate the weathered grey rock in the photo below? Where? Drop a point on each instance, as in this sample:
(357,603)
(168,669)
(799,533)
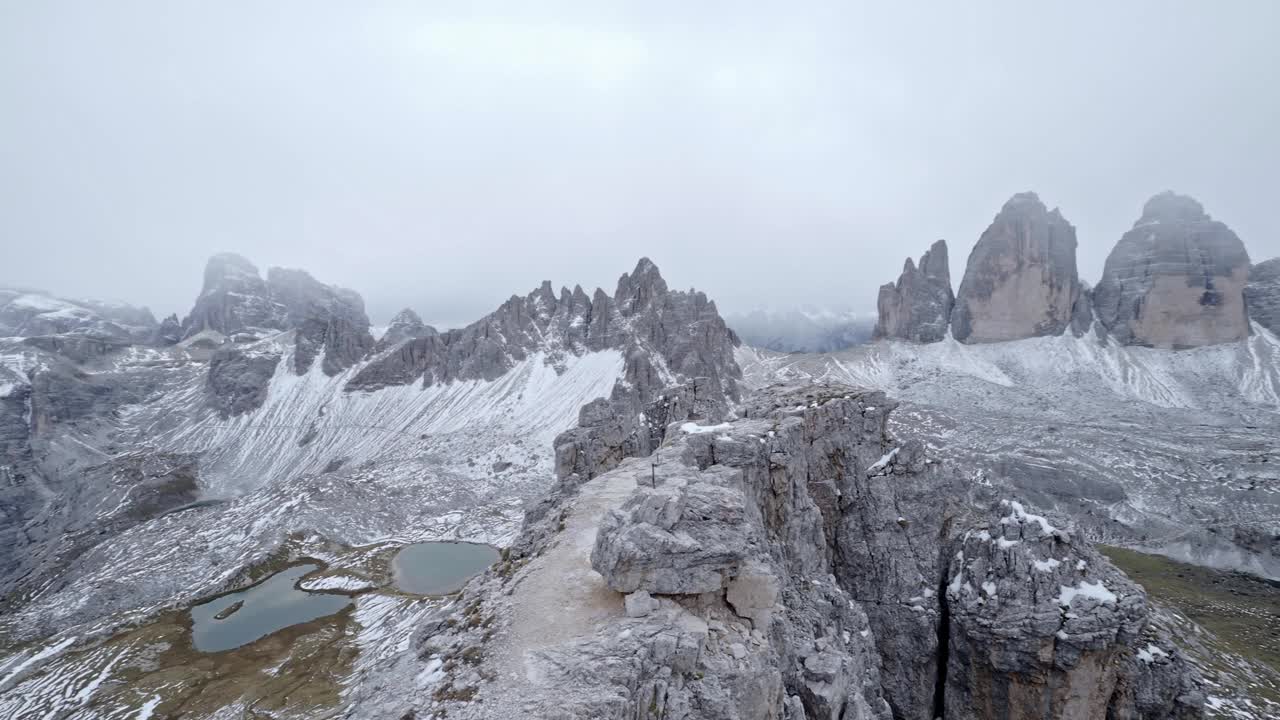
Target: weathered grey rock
(684,537)
(236,303)
(610,430)
(234,299)
(1021,279)
(753,594)
(169,332)
(1042,625)
(1082,311)
(643,316)
(640,603)
(918,307)
(1176,280)
(323,317)
(406,325)
(1262,294)
(238,379)
(892,589)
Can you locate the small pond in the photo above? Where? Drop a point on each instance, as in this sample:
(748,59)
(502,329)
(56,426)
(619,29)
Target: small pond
(231,620)
(440,568)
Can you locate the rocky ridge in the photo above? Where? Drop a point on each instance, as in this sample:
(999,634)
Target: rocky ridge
(35,314)
(799,563)
(917,308)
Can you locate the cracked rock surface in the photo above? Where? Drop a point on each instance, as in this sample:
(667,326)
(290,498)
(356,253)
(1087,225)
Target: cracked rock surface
(798,562)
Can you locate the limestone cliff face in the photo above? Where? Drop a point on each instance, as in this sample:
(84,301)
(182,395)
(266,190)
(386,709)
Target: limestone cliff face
(794,563)
(324,318)
(918,307)
(1263,294)
(1176,280)
(1021,279)
(234,299)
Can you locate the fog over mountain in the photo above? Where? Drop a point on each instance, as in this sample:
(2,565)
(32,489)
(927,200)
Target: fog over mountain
(438,156)
(657,361)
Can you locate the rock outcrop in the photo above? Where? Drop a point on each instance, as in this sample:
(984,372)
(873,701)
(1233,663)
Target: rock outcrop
(1021,280)
(169,332)
(234,299)
(323,317)
(406,325)
(1176,280)
(918,307)
(237,304)
(799,563)
(238,379)
(1262,294)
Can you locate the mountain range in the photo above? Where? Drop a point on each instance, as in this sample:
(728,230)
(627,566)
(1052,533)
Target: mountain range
(690,524)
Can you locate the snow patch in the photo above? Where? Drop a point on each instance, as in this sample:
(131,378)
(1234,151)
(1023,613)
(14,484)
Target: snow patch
(1096,591)
(1150,653)
(884,461)
(696,429)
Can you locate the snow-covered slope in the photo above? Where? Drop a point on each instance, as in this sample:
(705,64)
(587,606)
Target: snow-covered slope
(1174,452)
(139,479)
(347,470)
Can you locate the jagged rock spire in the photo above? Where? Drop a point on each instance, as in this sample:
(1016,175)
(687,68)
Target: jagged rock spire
(918,306)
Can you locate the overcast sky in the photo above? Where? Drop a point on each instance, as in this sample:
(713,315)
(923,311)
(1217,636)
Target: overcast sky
(436,155)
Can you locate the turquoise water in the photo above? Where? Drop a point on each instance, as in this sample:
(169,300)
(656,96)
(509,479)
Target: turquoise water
(440,568)
(269,606)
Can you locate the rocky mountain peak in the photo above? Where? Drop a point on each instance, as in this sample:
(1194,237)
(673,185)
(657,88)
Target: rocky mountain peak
(637,289)
(323,316)
(1024,202)
(406,325)
(228,266)
(234,299)
(1176,280)
(1169,206)
(918,306)
(1021,280)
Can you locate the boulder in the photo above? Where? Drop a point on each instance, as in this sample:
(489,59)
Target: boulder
(682,537)
(1176,280)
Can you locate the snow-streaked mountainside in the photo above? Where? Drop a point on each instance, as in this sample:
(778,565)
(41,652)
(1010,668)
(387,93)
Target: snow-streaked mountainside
(1173,452)
(141,478)
(804,329)
(689,526)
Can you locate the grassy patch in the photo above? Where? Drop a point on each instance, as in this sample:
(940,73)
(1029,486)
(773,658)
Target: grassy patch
(1239,614)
